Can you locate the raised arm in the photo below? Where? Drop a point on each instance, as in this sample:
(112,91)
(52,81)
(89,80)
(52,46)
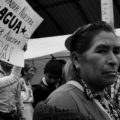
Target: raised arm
(12,78)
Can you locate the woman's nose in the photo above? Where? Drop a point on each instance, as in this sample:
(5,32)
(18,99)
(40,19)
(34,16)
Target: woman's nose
(112,59)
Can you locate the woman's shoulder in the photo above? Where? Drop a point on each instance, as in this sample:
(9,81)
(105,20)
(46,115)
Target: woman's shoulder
(63,89)
(60,93)
(62,97)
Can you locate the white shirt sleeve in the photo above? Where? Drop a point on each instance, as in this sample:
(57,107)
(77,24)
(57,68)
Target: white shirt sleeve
(12,78)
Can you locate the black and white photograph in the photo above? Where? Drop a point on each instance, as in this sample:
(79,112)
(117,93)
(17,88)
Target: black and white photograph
(59,59)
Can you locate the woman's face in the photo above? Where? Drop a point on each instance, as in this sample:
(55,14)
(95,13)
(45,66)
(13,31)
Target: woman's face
(30,73)
(52,79)
(99,65)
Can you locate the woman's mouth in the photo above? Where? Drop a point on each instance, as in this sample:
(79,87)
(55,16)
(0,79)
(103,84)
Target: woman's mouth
(111,73)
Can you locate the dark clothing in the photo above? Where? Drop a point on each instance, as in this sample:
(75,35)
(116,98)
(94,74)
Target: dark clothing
(47,112)
(9,116)
(41,92)
(70,97)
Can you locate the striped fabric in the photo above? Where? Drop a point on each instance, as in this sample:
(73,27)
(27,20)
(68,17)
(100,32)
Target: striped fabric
(115,92)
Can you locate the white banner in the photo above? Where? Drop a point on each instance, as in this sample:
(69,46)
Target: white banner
(17,23)
(45,46)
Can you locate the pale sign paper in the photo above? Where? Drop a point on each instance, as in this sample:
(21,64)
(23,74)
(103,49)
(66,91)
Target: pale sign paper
(17,23)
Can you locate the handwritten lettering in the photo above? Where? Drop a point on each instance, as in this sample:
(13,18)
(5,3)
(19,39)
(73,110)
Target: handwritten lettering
(10,19)
(1,44)
(11,39)
(6,52)
(24,15)
(1,31)
(12,5)
(10,53)
(3,53)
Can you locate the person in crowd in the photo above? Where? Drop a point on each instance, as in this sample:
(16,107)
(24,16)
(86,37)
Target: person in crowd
(11,106)
(26,90)
(52,75)
(10,101)
(95,56)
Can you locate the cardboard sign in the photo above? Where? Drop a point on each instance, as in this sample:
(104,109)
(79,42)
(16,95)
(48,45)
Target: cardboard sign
(17,23)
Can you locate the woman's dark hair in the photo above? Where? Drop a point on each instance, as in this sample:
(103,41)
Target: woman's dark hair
(26,68)
(82,38)
(62,62)
(53,67)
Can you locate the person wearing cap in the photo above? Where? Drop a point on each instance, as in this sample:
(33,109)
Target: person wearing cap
(95,55)
(52,75)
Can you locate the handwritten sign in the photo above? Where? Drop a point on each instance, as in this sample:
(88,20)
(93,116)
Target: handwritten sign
(107,11)
(18,21)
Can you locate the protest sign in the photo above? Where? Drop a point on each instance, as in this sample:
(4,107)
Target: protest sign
(17,23)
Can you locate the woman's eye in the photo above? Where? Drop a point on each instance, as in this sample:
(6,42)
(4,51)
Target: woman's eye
(116,51)
(102,51)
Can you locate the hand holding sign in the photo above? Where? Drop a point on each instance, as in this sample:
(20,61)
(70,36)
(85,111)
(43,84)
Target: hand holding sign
(17,23)
(25,47)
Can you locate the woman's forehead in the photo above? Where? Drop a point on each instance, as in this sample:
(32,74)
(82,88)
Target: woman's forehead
(106,38)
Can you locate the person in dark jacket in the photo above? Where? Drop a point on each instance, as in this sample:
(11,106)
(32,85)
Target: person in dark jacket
(52,75)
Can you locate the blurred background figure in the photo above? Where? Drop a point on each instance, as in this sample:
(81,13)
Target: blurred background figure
(11,107)
(50,81)
(27,74)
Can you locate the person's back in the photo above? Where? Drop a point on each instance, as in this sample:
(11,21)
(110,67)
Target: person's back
(48,112)
(41,92)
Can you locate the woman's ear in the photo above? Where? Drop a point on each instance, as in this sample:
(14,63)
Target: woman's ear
(75,57)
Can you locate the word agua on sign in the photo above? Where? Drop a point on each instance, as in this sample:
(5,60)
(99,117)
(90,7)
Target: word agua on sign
(8,37)
(10,19)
